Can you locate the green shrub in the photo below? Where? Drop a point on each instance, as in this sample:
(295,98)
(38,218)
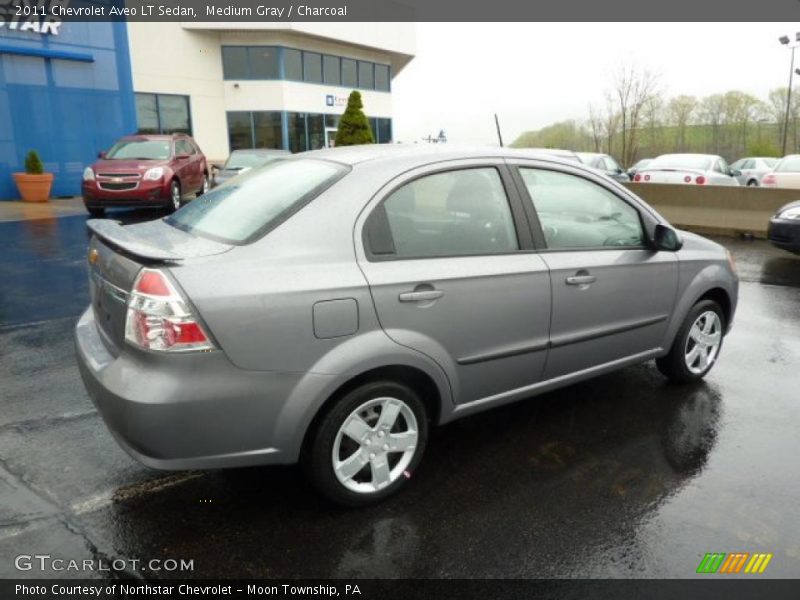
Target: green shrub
(33,163)
(354,126)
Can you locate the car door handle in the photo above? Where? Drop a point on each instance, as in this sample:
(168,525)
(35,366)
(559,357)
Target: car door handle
(421,296)
(581,279)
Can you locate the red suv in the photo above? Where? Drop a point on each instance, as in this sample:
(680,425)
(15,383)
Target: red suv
(145,171)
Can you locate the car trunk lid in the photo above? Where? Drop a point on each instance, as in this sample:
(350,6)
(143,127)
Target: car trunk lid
(116,255)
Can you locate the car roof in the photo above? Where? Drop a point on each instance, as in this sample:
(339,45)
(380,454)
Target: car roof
(259,151)
(689,154)
(424,153)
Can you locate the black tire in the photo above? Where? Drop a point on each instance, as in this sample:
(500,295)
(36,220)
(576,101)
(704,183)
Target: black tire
(96,213)
(673,365)
(206,186)
(752,183)
(317,459)
(174,192)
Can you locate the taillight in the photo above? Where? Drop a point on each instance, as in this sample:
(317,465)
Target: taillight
(647,177)
(637,177)
(687,179)
(768,179)
(699,180)
(159,318)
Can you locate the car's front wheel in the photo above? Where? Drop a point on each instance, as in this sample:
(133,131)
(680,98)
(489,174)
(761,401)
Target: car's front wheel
(175,197)
(697,344)
(367,445)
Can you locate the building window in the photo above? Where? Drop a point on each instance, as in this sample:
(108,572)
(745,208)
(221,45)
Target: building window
(235,63)
(315,125)
(382,78)
(261,129)
(240,130)
(267,130)
(312,67)
(297,132)
(264,62)
(331,70)
(366,77)
(383,131)
(163,113)
(349,73)
(293,64)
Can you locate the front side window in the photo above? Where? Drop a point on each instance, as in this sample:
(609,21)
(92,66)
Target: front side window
(455,213)
(257,200)
(577,213)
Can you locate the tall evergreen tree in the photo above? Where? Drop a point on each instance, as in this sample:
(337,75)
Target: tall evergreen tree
(354,126)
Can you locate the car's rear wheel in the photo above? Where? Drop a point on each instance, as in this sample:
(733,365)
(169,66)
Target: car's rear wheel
(175,195)
(96,213)
(367,445)
(206,185)
(752,183)
(697,344)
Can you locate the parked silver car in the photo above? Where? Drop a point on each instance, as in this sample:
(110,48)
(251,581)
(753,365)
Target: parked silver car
(753,168)
(242,160)
(605,164)
(693,169)
(329,307)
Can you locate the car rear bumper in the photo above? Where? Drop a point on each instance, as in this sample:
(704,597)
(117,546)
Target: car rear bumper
(192,410)
(784,234)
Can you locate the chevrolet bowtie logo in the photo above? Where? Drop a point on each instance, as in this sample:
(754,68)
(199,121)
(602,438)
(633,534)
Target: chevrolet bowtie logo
(93,256)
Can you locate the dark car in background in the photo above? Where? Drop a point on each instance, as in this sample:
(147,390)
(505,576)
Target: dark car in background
(243,160)
(146,171)
(784,228)
(605,164)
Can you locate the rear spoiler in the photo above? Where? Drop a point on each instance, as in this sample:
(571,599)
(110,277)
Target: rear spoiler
(115,234)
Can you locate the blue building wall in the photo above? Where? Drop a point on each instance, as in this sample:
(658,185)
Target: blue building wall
(66,96)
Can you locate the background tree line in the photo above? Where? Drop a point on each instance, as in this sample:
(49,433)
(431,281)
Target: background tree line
(637,120)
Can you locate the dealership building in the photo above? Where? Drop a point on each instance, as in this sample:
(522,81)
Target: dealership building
(68,91)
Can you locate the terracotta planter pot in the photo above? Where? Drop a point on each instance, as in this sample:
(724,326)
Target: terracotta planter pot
(34,188)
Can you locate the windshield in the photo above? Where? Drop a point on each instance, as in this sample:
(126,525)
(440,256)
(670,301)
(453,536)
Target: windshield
(246,160)
(139,150)
(682,161)
(256,201)
(587,157)
(790,164)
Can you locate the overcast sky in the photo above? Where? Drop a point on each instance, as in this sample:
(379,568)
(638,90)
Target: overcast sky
(533,74)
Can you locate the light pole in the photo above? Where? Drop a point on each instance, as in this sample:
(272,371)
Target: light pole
(784,39)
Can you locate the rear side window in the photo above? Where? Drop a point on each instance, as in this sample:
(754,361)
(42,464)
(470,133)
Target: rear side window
(455,213)
(577,213)
(257,201)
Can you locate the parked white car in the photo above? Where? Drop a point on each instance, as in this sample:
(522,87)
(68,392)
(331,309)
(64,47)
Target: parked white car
(694,169)
(753,168)
(786,173)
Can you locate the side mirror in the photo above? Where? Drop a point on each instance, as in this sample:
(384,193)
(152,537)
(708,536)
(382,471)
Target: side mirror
(182,156)
(101,154)
(666,238)
(619,170)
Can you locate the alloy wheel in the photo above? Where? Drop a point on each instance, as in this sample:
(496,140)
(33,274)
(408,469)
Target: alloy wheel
(703,342)
(175,191)
(375,444)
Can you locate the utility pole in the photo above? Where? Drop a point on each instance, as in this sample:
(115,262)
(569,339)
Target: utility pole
(497,125)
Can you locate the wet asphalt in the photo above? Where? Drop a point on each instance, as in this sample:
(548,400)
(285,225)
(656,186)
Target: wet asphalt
(622,476)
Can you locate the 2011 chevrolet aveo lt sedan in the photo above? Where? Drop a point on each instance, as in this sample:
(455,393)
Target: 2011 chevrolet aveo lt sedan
(329,308)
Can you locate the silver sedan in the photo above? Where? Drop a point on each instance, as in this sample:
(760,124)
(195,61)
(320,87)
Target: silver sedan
(692,169)
(753,168)
(331,307)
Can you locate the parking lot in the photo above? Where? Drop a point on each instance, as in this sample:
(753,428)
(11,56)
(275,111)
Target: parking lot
(621,476)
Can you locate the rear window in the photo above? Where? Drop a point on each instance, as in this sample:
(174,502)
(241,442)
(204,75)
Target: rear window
(790,164)
(257,201)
